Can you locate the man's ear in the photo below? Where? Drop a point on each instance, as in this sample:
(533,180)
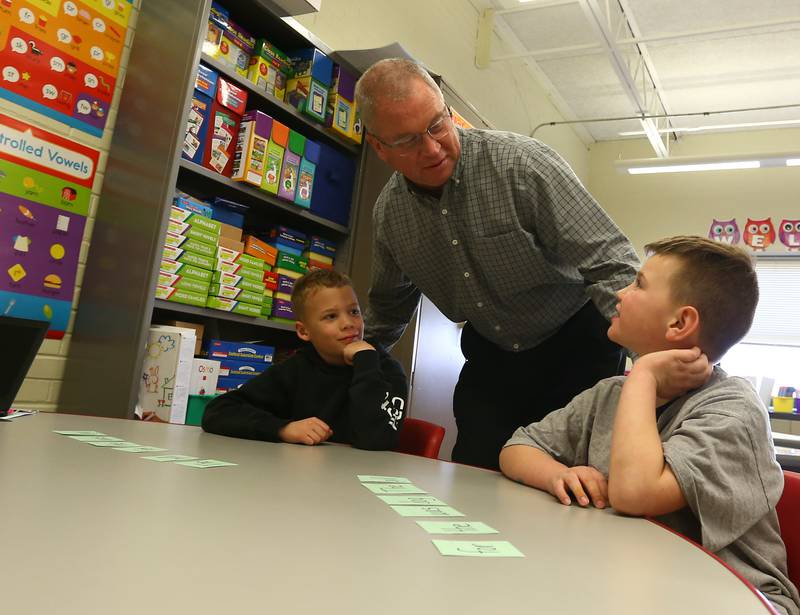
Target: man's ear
(302,332)
(377,146)
(684,325)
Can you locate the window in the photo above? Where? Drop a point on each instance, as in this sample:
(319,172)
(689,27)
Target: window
(770,353)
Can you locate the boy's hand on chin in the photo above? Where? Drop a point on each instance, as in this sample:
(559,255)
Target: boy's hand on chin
(675,371)
(308,431)
(352,348)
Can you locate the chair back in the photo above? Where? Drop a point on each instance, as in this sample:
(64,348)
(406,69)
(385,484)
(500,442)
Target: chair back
(788,509)
(418,437)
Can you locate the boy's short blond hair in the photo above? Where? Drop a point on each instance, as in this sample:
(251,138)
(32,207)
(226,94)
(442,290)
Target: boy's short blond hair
(313,280)
(717,279)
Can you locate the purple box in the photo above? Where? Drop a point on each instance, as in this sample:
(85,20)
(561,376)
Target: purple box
(285,284)
(241,369)
(344,82)
(282,309)
(238,351)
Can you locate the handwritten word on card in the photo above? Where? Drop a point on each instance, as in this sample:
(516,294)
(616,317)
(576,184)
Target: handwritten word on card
(205,463)
(412,500)
(486,548)
(456,527)
(427,511)
(369,478)
(385,488)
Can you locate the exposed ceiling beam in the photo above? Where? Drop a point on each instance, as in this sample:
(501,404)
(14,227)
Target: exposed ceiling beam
(629,68)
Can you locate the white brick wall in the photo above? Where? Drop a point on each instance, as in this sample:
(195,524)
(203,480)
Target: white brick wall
(41,387)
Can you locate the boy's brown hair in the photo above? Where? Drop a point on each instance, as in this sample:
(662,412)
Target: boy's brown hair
(311,281)
(719,281)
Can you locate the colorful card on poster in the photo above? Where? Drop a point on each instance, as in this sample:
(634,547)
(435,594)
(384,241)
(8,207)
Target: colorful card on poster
(61,57)
(45,187)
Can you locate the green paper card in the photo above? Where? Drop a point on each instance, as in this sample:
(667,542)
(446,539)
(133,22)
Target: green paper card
(140,449)
(369,478)
(95,438)
(87,432)
(484,548)
(427,511)
(170,458)
(385,488)
(456,527)
(113,444)
(412,500)
(205,463)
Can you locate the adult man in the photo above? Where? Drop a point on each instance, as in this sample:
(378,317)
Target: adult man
(497,231)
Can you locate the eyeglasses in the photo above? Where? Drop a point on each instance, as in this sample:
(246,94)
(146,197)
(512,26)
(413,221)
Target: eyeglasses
(411,143)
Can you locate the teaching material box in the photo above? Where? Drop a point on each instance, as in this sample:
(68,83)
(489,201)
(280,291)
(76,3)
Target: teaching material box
(166,373)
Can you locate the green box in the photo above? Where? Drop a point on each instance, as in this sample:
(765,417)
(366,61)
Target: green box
(231,279)
(273,168)
(231,292)
(193,232)
(232,256)
(291,262)
(190,245)
(185,270)
(233,306)
(196,408)
(189,258)
(178,281)
(168,293)
(178,214)
(250,273)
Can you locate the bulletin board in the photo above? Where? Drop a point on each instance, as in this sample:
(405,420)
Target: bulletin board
(61,57)
(762,235)
(45,188)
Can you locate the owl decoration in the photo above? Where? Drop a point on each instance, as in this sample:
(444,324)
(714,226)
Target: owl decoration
(759,234)
(789,234)
(724,231)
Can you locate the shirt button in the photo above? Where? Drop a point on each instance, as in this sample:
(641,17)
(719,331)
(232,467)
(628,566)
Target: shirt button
(479,304)
(516,346)
(444,212)
(497,327)
(455,242)
(466,274)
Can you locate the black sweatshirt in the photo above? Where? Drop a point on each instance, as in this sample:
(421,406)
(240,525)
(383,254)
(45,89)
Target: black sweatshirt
(364,404)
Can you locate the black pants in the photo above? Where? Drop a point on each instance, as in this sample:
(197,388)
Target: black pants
(498,391)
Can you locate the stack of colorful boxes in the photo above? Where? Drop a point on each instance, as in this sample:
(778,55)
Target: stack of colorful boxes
(320,253)
(307,88)
(239,361)
(237,280)
(289,266)
(228,42)
(269,69)
(340,113)
(187,258)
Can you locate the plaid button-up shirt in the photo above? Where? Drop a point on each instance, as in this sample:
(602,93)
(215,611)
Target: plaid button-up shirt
(515,245)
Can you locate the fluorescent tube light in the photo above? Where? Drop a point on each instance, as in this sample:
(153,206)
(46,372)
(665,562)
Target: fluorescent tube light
(793,162)
(641,133)
(689,168)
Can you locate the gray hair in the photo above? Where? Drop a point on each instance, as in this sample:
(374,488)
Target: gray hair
(389,79)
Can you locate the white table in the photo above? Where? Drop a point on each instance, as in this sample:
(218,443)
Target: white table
(290,529)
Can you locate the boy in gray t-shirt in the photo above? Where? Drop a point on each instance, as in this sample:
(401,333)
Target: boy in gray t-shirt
(676,439)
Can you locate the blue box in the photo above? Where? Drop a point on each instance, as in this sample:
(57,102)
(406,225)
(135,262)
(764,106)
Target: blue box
(229,212)
(225,384)
(238,351)
(333,185)
(185,201)
(206,80)
(241,369)
(311,62)
(197,127)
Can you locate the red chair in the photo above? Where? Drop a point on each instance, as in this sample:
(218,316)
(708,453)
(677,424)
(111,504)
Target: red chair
(788,509)
(421,438)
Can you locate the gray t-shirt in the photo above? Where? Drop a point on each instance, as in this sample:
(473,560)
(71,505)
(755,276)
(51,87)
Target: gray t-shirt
(717,442)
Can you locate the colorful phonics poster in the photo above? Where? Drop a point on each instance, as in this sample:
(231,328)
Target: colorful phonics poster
(61,57)
(45,186)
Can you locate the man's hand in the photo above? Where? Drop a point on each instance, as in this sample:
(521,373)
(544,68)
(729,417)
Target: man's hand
(675,371)
(586,484)
(308,431)
(352,348)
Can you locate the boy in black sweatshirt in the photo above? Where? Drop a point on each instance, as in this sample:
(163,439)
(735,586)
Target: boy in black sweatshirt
(337,387)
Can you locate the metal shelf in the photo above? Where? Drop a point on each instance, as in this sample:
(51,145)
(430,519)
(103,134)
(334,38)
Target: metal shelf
(283,108)
(261,196)
(160,304)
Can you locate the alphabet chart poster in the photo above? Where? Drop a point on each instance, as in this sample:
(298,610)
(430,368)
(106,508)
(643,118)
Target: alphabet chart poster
(45,187)
(61,57)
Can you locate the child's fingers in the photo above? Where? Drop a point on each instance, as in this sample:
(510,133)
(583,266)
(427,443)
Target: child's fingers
(596,491)
(574,485)
(560,493)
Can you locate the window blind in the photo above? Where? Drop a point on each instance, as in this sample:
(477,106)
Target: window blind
(777,317)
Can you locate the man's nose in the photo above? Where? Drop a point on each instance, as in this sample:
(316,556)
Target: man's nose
(429,145)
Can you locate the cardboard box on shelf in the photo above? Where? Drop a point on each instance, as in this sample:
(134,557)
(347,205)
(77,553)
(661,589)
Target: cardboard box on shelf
(198,331)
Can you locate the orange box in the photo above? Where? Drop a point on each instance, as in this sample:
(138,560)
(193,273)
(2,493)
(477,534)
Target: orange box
(255,247)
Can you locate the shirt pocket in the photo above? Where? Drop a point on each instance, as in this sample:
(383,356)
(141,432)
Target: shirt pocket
(512,263)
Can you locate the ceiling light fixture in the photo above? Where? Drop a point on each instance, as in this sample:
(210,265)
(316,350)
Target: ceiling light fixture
(639,133)
(690,164)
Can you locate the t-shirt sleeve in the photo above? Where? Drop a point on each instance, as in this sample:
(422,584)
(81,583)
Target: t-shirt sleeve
(563,434)
(725,473)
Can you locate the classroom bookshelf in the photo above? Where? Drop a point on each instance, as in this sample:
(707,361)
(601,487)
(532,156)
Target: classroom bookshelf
(117,302)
